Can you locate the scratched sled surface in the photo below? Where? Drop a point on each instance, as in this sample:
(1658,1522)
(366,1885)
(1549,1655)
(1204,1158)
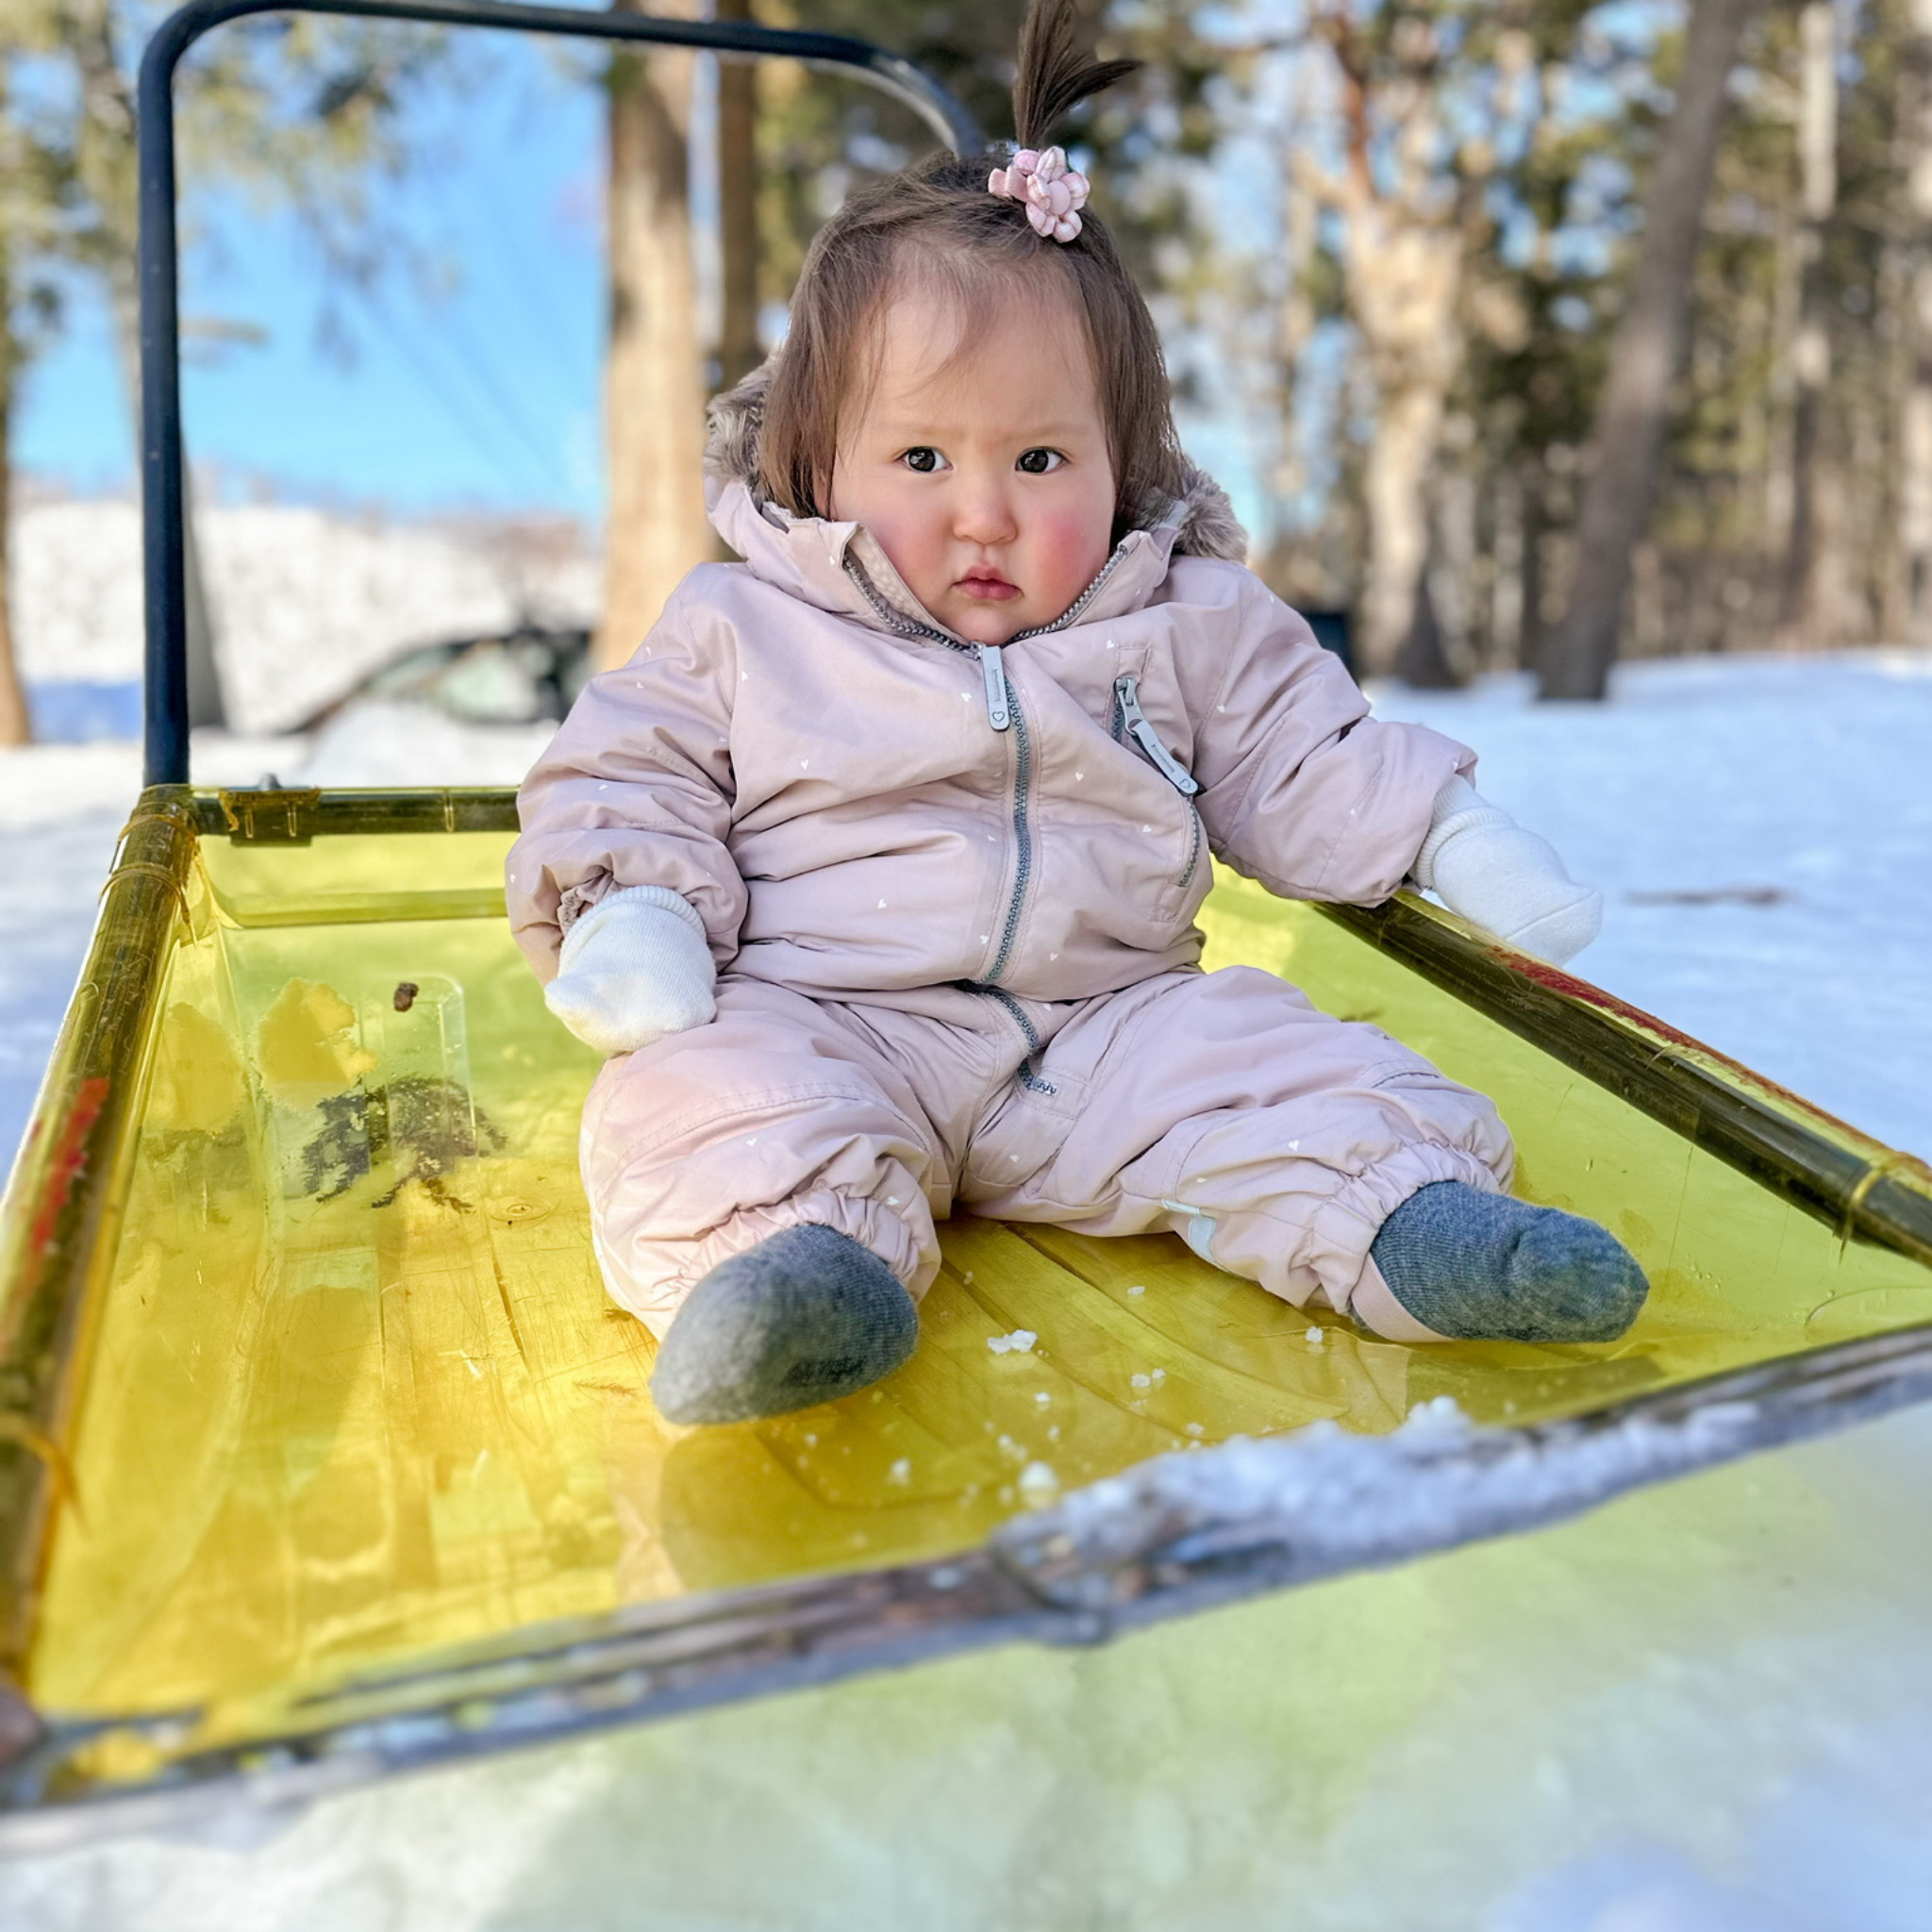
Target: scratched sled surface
(316,1365)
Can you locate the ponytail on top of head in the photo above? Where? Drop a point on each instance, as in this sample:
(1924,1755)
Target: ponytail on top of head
(1055,73)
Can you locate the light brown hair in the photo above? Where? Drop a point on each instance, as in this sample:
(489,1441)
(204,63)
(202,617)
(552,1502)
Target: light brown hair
(937,223)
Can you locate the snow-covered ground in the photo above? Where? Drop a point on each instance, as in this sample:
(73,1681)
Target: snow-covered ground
(1760,830)
(1704,1710)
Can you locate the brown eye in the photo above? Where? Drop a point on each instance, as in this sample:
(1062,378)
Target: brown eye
(1039,462)
(924,460)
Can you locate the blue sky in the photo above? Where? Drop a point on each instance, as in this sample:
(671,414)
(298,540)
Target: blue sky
(467,377)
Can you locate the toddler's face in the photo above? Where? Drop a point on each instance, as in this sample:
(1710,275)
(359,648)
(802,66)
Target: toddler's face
(983,473)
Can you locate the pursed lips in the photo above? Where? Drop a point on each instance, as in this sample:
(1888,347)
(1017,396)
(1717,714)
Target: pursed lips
(988,585)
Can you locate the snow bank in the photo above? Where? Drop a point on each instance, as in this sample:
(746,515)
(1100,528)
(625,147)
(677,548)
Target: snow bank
(387,742)
(303,603)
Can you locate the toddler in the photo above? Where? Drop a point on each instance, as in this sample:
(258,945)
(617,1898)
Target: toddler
(876,870)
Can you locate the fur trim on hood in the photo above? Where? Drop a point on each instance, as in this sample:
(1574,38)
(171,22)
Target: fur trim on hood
(1207,524)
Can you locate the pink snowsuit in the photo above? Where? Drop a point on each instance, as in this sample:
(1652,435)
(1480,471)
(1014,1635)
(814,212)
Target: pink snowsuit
(951,893)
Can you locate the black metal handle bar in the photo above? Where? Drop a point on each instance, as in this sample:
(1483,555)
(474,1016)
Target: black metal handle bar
(161,485)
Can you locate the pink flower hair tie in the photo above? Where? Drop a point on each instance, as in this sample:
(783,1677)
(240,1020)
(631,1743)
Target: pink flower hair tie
(1053,193)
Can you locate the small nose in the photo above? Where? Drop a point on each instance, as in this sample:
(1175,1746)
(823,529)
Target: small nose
(983,511)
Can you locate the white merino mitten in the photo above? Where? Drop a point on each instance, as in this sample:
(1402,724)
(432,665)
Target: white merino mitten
(635,967)
(1482,864)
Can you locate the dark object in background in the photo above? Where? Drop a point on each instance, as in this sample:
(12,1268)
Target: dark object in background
(406,995)
(1714,895)
(1425,661)
(514,677)
(1331,633)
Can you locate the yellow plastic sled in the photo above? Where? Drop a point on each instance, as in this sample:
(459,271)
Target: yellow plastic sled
(324,1453)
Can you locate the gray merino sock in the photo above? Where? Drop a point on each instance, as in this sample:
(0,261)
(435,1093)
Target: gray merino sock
(805,1317)
(1478,1266)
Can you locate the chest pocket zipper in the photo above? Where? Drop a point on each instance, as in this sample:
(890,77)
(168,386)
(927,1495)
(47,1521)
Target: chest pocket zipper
(1187,878)
(1130,720)
(1127,712)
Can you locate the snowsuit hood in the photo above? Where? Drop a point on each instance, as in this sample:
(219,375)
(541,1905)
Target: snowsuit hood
(816,558)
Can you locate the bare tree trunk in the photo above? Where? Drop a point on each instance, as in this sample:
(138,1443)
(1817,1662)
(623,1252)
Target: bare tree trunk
(738,209)
(1425,661)
(1505,570)
(1884,533)
(1408,423)
(1403,287)
(15,726)
(1295,326)
(1644,357)
(106,165)
(1647,628)
(1459,564)
(1401,266)
(1403,279)
(653,372)
(1799,610)
(1915,479)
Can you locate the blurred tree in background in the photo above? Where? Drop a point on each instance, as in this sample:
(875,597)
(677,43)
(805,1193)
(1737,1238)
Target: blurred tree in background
(36,192)
(1483,176)
(655,355)
(1394,240)
(1397,251)
(790,145)
(1645,354)
(302,114)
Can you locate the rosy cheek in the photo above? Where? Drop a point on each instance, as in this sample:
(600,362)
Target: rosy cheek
(914,543)
(1072,541)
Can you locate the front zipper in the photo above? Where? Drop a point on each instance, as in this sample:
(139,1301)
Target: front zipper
(993,670)
(1028,1075)
(902,626)
(1072,613)
(1022,830)
(1003,713)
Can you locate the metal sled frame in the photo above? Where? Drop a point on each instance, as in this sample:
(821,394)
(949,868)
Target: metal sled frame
(162,470)
(1051,1575)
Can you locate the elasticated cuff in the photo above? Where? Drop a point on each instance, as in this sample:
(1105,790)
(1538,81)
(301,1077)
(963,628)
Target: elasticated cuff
(584,923)
(1345,1225)
(872,1223)
(1374,1305)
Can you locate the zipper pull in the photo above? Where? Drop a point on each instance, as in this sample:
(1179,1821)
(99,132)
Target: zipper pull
(997,713)
(1127,690)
